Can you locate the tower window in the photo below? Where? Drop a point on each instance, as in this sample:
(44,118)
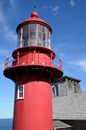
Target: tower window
(20,93)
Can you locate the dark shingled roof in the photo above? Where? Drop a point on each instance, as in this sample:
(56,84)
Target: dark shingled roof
(70,107)
(68,77)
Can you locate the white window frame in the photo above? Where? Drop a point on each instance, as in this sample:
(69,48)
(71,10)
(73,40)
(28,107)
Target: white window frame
(18,92)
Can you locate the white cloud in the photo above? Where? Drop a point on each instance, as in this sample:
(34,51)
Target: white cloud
(7,32)
(55,10)
(72,2)
(12,3)
(81,63)
(2,16)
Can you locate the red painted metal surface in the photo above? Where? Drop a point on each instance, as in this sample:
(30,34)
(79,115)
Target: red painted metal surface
(32,67)
(34,19)
(35,110)
(34,58)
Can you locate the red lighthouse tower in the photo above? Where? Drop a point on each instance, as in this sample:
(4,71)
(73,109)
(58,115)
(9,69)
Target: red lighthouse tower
(33,72)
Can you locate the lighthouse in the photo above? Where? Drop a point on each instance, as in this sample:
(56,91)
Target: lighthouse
(33,73)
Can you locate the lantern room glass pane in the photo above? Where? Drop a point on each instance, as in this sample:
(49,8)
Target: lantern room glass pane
(34,35)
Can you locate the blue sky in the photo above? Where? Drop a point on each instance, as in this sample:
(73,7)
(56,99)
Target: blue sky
(68,21)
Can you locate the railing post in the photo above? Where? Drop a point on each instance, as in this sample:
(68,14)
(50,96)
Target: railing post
(60,60)
(6,62)
(18,58)
(51,58)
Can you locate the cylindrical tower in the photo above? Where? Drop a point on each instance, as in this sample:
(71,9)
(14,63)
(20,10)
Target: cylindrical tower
(33,72)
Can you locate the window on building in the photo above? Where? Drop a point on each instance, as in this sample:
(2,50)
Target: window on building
(55,90)
(20,94)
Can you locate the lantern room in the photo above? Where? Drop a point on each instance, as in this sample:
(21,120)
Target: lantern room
(34,32)
(34,49)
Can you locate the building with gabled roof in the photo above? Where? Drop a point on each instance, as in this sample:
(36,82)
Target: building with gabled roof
(69,103)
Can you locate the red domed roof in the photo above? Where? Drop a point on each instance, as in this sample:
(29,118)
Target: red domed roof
(34,19)
(34,14)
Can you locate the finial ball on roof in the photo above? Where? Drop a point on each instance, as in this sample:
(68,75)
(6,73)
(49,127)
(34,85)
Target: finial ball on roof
(34,14)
